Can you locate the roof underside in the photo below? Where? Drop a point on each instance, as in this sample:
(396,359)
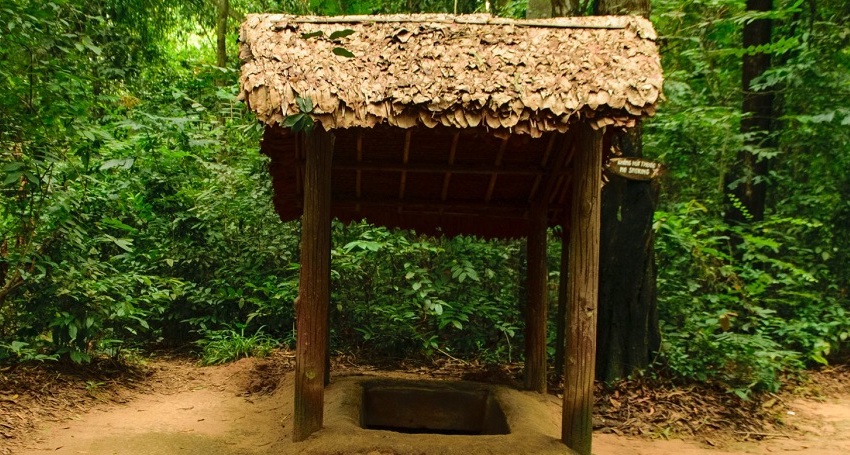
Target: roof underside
(445,124)
(446,181)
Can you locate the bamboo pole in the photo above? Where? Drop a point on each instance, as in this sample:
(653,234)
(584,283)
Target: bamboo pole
(314,286)
(583,289)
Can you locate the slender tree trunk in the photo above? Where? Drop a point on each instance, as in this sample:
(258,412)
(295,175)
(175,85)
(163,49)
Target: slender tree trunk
(622,7)
(221,33)
(539,9)
(747,179)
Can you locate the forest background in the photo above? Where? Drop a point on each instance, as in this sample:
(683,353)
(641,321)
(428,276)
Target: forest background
(136,209)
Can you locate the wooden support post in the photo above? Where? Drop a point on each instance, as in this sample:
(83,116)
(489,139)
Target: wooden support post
(314,286)
(538,300)
(583,289)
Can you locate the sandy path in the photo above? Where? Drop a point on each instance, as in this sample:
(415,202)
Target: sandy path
(207,414)
(204,414)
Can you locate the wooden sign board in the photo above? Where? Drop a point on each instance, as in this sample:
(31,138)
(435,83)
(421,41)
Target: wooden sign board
(634,168)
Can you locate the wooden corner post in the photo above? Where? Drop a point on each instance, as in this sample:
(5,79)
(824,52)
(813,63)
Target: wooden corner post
(583,290)
(538,300)
(314,286)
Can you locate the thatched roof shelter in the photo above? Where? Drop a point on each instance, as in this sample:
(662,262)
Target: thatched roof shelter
(471,101)
(448,125)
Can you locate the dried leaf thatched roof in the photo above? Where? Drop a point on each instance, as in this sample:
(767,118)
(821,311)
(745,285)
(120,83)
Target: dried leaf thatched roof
(459,71)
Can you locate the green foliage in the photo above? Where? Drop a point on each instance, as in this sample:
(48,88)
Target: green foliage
(111,185)
(744,314)
(302,121)
(400,294)
(136,208)
(19,352)
(222,346)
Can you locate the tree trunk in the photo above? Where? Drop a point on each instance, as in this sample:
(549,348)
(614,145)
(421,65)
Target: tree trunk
(622,7)
(747,178)
(221,33)
(628,333)
(539,9)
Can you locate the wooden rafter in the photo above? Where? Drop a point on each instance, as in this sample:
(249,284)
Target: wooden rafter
(359,159)
(448,177)
(417,205)
(543,162)
(497,165)
(404,159)
(300,169)
(437,168)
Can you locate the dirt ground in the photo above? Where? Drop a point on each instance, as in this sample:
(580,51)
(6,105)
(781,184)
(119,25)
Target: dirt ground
(174,406)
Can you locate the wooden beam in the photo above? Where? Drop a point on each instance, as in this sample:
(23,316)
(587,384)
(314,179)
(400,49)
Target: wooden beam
(583,290)
(552,166)
(448,176)
(439,168)
(358,184)
(404,159)
(299,171)
(538,300)
(314,285)
(418,205)
(498,164)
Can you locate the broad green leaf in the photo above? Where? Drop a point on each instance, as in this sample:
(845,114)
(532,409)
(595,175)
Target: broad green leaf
(13,177)
(304,104)
(124,244)
(123,163)
(291,120)
(88,43)
(341,34)
(13,166)
(343,52)
(114,223)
